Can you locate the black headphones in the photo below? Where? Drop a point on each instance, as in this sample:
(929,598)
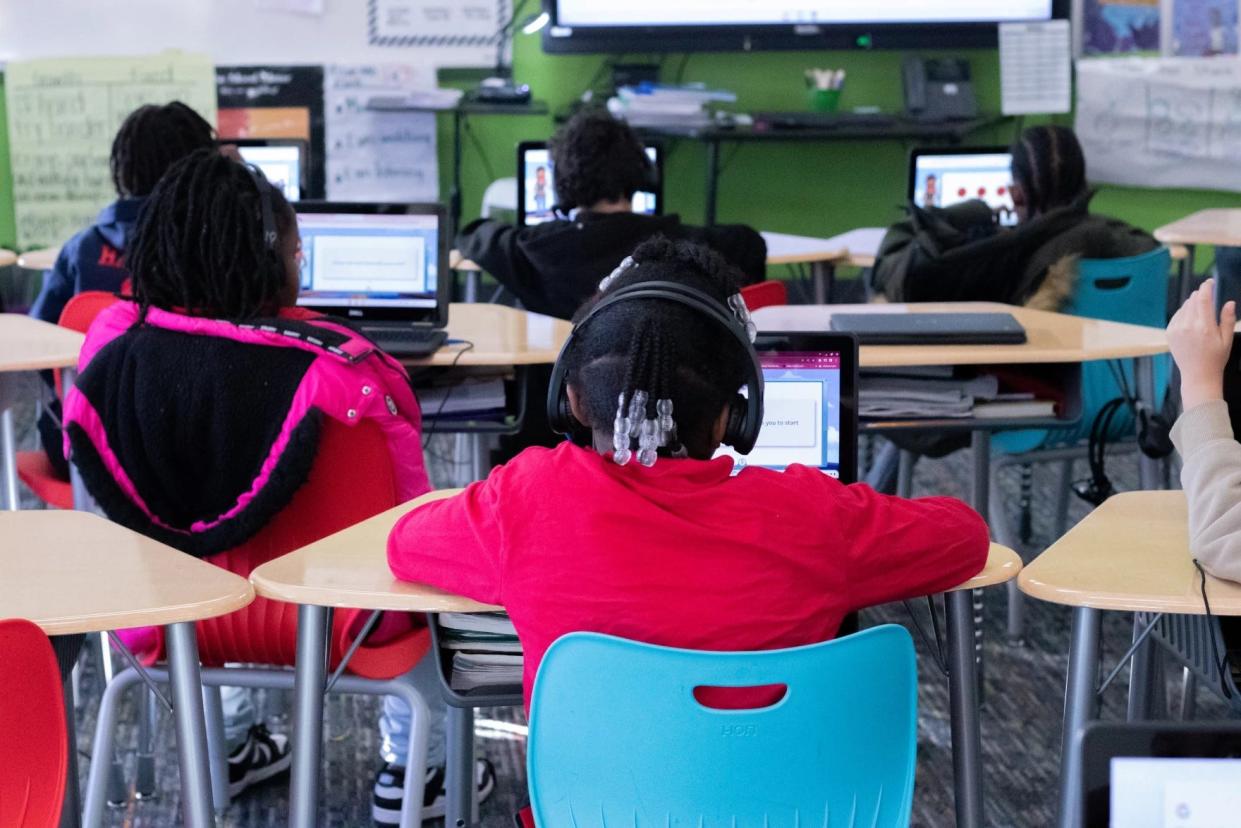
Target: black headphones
(268,213)
(745,412)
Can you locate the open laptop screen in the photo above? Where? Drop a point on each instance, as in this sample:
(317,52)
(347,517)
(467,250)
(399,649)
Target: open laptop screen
(1165,793)
(809,406)
(370,265)
(943,177)
(282,164)
(536,192)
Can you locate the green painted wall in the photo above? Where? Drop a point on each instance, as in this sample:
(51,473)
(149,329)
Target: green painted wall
(809,188)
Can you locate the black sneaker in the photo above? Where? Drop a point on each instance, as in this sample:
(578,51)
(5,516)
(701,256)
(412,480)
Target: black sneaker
(262,756)
(390,791)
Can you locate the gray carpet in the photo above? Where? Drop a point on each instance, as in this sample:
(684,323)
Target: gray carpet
(1024,696)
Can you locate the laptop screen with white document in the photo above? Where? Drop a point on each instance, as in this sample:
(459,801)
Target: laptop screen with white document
(373,265)
(809,405)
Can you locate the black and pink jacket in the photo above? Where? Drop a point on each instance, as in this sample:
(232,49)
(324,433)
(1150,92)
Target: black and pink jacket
(196,431)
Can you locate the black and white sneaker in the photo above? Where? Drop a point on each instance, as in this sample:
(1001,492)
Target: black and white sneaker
(262,756)
(390,791)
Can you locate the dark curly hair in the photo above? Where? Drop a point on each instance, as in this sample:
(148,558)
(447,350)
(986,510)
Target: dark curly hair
(662,347)
(597,158)
(199,242)
(150,140)
(1049,166)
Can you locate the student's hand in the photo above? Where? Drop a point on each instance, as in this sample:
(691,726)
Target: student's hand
(1200,345)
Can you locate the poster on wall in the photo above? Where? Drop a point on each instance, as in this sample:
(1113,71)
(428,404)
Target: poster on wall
(275,102)
(1204,28)
(62,116)
(437,22)
(1119,27)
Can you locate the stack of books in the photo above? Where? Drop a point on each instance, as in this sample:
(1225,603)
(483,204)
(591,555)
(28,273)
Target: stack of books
(486,651)
(685,106)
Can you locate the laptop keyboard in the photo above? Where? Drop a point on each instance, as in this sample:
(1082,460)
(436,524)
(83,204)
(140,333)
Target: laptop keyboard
(407,341)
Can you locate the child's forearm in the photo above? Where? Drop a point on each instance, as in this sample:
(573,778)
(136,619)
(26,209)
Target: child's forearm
(1211,476)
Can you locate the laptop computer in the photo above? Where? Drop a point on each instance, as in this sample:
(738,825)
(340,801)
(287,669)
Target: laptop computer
(809,404)
(384,267)
(902,328)
(943,176)
(283,160)
(1159,774)
(536,191)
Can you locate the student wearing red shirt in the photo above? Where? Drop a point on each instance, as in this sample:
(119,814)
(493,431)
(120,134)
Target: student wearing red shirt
(680,552)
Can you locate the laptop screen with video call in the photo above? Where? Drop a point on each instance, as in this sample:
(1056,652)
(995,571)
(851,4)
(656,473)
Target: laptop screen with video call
(536,193)
(942,177)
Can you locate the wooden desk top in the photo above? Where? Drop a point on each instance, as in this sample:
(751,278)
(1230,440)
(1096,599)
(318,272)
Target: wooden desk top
(1130,554)
(1221,227)
(74,572)
(31,345)
(350,569)
(7,258)
(502,336)
(1052,337)
(857,247)
(39,259)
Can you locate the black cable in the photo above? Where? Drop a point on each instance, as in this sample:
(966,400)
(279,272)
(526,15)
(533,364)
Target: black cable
(680,73)
(478,148)
(429,432)
(1221,664)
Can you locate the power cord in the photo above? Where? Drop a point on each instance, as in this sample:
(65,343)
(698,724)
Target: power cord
(1224,664)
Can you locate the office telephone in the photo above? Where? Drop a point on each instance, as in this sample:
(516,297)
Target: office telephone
(939,89)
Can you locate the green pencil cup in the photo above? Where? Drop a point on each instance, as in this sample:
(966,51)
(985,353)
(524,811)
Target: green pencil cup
(824,100)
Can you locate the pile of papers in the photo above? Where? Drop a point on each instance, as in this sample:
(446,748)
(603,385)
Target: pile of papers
(472,396)
(932,394)
(486,651)
(656,105)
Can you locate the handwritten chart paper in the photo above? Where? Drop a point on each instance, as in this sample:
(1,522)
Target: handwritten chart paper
(63,115)
(1161,122)
(436,22)
(377,155)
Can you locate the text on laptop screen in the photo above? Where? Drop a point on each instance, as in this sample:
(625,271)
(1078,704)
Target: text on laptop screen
(1175,793)
(282,165)
(801,413)
(355,260)
(944,180)
(540,194)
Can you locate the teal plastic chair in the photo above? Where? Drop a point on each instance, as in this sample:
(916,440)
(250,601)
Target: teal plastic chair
(1133,290)
(617,736)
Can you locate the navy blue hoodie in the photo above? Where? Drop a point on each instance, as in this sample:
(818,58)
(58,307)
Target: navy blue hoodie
(91,260)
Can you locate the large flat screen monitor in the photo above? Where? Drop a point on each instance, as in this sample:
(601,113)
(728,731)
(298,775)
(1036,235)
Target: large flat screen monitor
(698,25)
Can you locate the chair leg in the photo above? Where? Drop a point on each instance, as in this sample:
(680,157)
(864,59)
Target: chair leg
(1189,695)
(1003,530)
(1063,490)
(881,472)
(1025,529)
(148,713)
(104,747)
(905,473)
(416,757)
(217,754)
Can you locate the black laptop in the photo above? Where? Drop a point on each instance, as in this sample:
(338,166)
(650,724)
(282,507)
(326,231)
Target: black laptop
(903,328)
(384,267)
(1159,774)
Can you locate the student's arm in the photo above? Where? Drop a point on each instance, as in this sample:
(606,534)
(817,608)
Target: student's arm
(455,544)
(495,247)
(1211,470)
(901,548)
(59,285)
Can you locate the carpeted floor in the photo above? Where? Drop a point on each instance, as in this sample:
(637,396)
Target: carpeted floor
(1024,696)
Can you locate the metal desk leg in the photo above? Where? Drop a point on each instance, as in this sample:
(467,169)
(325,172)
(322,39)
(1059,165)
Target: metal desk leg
(454,195)
(824,276)
(310,677)
(713,182)
(1081,704)
(1141,675)
(459,773)
(1150,473)
(187,709)
(980,446)
(8,456)
(1185,281)
(963,693)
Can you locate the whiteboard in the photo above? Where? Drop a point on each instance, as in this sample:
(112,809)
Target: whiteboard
(230,31)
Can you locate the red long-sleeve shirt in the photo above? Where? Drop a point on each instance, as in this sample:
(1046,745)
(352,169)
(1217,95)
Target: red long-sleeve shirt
(681,554)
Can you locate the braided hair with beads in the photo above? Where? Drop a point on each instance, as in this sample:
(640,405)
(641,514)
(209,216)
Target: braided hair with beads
(1049,166)
(658,373)
(200,245)
(151,139)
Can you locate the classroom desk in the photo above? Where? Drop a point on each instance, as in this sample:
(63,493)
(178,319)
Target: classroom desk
(350,569)
(38,259)
(7,258)
(1131,555)
(1219,227)
(857,248)
(143,583)
(502,336)
(30,345)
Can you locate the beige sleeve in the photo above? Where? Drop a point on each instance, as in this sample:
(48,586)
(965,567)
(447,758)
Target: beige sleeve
(1211,476)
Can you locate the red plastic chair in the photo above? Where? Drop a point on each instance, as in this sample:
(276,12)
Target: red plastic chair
(33,467)
(765,294)
(34,753)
